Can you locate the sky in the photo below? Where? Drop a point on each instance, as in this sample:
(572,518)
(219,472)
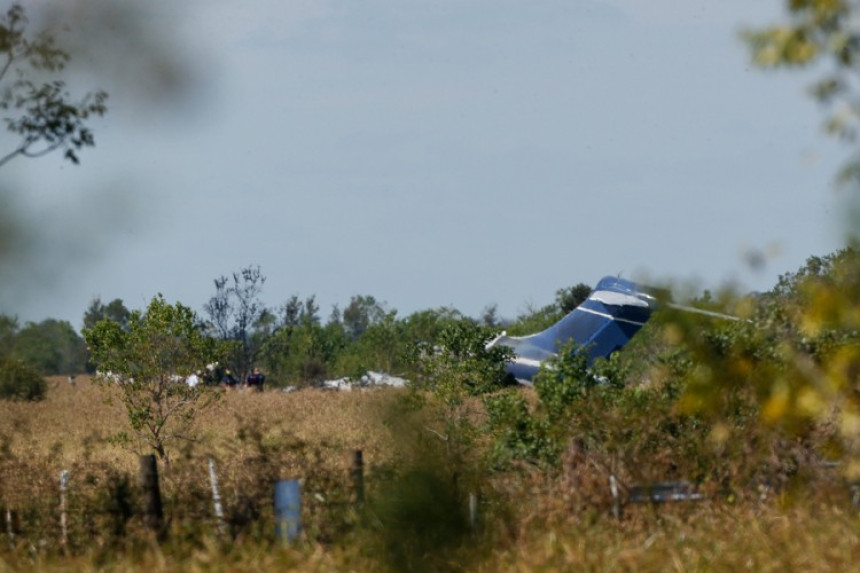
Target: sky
(432,153)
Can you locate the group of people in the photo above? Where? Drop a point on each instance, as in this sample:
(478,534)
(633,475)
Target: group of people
(253,381)
(225,377)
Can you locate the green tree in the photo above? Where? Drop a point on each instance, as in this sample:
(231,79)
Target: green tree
(234,310)
(145,366)
(459,363)
(295,312)
(567,299)
(8,330)
(791,364)
(20,382)
(114,310)
(490,316)
(303,353)
(41,114)
(454,368)
(362,311)
(51,347)
(381,347)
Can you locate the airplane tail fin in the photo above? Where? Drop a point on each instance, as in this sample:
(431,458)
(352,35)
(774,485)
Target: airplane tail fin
(614,311)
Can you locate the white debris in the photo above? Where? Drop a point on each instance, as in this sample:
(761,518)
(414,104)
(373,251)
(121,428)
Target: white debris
(370,380)
(382,379)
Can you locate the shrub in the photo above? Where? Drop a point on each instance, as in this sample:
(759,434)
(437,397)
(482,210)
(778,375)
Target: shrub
(20,382)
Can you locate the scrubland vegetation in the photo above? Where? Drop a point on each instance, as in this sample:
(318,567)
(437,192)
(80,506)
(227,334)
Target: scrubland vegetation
(756,414)
(760,415)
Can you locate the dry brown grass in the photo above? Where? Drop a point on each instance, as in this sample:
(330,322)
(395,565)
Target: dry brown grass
(74,422)
(699,537)
(529,520)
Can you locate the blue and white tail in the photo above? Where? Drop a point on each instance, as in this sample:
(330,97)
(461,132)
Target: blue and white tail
(602,324)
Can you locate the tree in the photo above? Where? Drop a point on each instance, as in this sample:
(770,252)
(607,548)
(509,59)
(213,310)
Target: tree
(490,315)
(234,309)
(8,330)
(147,365)
(51,347)
(569,298)
(458,366)
(295,312)
(304,352)
(43,115)
(820,32)
(362,311)
(97,311)
(20,382)
(382,346)
(220,309)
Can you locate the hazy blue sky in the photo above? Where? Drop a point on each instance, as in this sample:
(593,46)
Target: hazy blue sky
(437,152)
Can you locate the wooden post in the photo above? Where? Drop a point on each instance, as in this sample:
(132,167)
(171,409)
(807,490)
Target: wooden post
(64,530)
(216,498)
(288,510)
(10,528)
(616,503)
(358,476)
(473,511)
(153,512)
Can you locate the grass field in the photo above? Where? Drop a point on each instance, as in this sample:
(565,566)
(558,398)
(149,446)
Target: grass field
(527,520)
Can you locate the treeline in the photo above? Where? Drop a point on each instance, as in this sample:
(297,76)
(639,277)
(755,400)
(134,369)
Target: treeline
(292,342)
(48,347)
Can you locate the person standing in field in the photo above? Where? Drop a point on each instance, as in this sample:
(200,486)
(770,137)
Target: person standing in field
(255,380)
(228,379)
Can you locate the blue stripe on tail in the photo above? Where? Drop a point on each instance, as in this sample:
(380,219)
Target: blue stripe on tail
(610,316)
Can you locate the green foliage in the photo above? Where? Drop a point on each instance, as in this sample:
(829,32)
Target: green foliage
(51,347)
(302,353)
(381,346)
(564,381)
(459,364)
(455,368)
(517,435)
(567,299)
(362,312)
(234,310)
(562,386)
(114,310)
(43,116)
(20,382)
(8,330)
(786,371)
(706,398)
(145,366)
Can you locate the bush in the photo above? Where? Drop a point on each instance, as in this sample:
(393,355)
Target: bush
(20,382)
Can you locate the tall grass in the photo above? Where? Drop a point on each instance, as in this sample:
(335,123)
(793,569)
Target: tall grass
(415,516)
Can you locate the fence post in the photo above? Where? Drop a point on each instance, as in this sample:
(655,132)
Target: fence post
(616,503)
(64,530)
(10,528)
(288,510)
(358,476)
(153,512)
(216,498)
(473,510)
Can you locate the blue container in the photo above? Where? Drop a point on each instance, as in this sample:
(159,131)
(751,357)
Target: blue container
(288,510)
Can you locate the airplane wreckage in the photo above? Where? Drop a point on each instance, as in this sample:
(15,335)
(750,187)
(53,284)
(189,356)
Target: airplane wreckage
(604,322)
